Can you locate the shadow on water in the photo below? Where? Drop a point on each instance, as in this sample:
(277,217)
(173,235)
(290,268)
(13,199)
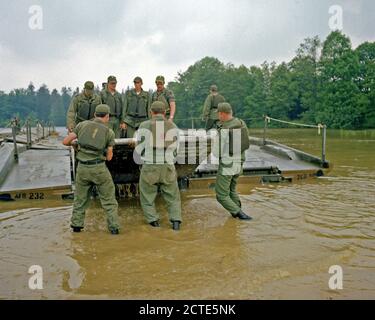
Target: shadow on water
(299,230)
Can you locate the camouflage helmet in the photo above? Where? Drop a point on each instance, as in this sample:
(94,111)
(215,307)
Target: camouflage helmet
(89,85)
(158,107)
(111,79)
(102,109)
(160,79)
(138,79)
(213,88)
(224,107)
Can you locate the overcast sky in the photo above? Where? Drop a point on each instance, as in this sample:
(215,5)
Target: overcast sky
(91,39)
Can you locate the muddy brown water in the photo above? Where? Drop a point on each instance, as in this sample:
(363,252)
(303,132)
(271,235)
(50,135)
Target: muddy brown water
(299,230)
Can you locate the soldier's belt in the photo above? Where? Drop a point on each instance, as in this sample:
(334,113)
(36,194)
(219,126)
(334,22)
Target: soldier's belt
(137,116)
(81,118)
(91,162)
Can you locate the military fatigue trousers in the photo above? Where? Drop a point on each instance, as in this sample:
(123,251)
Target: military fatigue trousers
(133,125)
(225,188)
(130,130)
(114,124)
(86,177)
(153,176)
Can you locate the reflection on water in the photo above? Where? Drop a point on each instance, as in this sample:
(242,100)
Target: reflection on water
(299,230)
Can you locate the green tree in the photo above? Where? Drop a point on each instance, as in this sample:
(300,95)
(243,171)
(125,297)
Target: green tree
(304,69)
(66,96)
(366,81)
(256,100)
(235,87)
(5,109)
(43,100)
(192,87)
(57,113)
(340,104)
(283,93)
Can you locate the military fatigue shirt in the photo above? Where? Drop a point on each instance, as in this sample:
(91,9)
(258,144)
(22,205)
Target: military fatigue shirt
(136,107)
(165,96)
(89,155)
(222,141)
(114,102)
(210,106)
(152,155)
(82,108)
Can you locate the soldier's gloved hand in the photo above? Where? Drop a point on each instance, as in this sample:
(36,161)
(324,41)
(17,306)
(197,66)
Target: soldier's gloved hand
(74,144)
(132,143)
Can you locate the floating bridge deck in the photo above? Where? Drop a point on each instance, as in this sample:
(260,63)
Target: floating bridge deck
(43,170)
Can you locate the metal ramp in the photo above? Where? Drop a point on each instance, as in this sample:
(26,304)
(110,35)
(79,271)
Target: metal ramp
(43,171)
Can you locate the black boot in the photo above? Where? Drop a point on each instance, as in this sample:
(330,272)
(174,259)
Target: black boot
(176,225)
(77,229)
(115,231)
(155,224)
(242,216)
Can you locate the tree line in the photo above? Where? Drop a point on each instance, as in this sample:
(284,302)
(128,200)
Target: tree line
(35,105)
(326,82)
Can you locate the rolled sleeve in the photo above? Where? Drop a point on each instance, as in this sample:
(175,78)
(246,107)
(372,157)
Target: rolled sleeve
(171,97)
(111,138)
(77,128)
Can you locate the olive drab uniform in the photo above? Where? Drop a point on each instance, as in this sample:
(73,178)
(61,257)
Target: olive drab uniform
(210,110)
(94,137)
(82,108)
(231,158)
(166,96)
(114,101)
(136,110)
(157,171)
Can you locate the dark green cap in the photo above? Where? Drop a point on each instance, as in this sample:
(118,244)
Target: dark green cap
(89,85)
(158,107)
(102,109)
(224,107)
(160,79)
(111,79)
(138,79)
(213,87)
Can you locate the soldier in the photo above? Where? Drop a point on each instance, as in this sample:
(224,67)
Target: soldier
(160,138)
(82,106)
(210,108)
(113,99)
(16,122)
(95,146)
(164,95)
(136,107)
(230,148)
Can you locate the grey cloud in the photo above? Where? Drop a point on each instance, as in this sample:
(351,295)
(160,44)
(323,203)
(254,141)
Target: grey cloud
(167,33)
(63,23)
